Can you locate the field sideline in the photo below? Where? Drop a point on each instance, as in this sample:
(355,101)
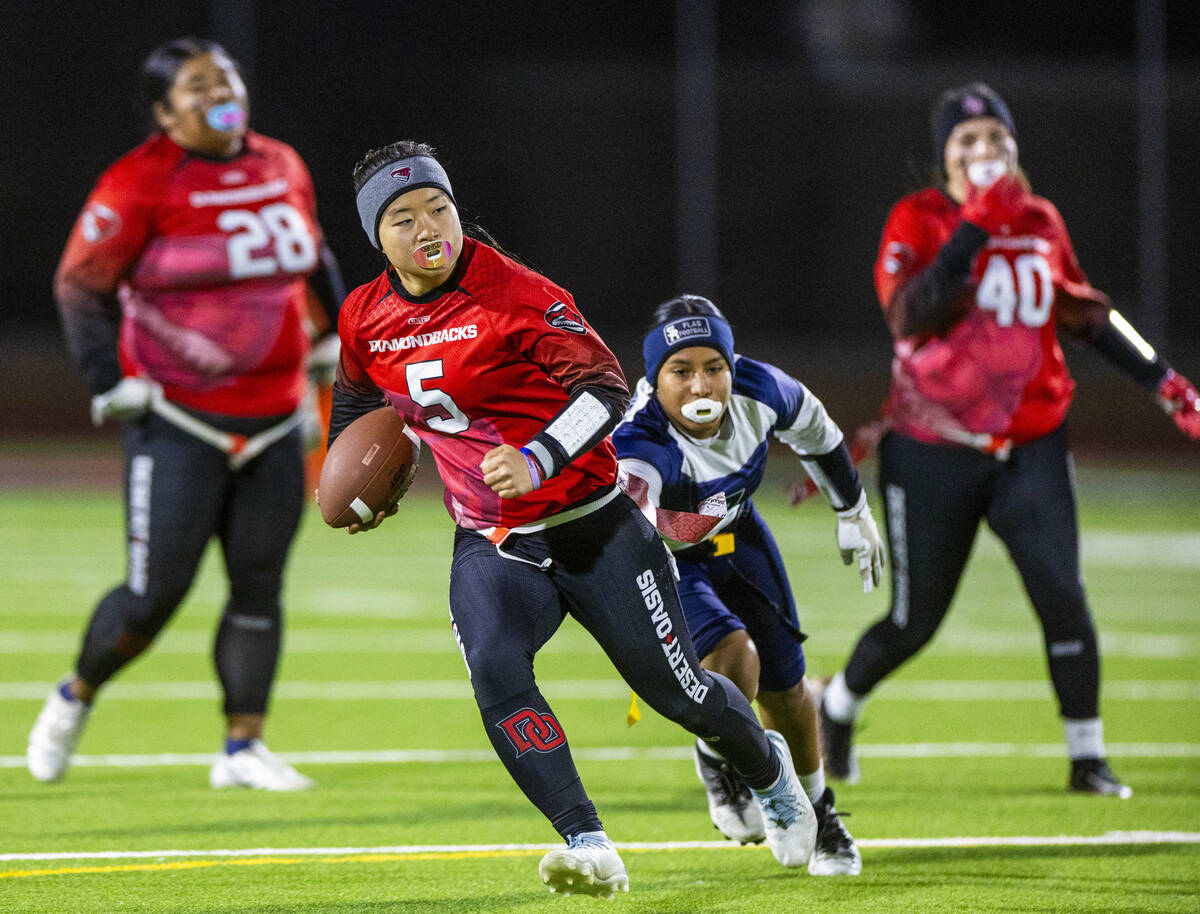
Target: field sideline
(962,806)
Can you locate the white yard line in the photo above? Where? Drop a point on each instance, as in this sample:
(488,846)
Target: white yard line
(1173,690)
(1109,838)
(621,754)
(438,640)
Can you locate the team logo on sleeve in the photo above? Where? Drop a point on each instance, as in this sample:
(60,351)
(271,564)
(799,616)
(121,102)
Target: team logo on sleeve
(562,316)
(98,222)
(686,327)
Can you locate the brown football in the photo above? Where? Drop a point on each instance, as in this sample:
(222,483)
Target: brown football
(368,468)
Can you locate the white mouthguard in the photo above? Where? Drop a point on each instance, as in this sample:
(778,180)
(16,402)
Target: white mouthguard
(702,411)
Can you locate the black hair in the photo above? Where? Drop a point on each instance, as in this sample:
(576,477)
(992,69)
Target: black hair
(682,306)
(377,158)
(162,64)
(402,149)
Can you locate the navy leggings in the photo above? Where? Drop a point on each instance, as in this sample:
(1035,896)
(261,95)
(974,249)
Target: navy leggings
(611,572)
(179,494)
(935,498)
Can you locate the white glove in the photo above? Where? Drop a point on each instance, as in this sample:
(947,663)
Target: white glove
(857,536)
(323,359)
(129,399)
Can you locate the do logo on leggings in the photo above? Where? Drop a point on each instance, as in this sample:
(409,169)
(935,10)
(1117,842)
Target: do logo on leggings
(527,729)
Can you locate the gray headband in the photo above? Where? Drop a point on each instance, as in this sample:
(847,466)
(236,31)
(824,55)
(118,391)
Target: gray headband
(392,180)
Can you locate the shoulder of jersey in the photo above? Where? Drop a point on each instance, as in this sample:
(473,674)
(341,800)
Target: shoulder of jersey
(265,145)
(146,160)
(645,423)
(359,297)
(489,269)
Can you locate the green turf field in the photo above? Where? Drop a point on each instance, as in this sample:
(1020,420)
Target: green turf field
(962,805)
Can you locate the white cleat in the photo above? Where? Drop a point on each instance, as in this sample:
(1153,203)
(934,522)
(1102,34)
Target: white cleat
(731,805)
(54,736)
(588,865)
(256,767)
(788,816)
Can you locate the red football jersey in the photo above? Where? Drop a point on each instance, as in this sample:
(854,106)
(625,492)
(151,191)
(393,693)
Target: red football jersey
(1000,370)
(485,364)
(209,260)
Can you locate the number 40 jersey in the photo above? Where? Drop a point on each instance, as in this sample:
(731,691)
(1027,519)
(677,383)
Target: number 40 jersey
(999,371)
(209,260)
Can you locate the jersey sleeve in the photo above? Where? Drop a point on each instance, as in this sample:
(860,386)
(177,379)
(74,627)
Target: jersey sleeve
(108,237)
(355,393)
(547,328)
(1080,308)
(110,232)
(905,248)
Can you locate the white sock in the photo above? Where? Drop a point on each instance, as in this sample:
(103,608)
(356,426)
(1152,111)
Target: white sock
(840,703)
(814,784)
(1085,738)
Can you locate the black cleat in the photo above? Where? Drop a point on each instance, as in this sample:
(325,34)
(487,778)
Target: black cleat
(835,853)
(1092,775)
(731,806)
(837,744)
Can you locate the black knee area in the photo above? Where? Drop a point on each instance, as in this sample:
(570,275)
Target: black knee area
(122,626)
(246,654)
(883,648)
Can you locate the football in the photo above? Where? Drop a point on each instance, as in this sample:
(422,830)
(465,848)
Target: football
(368,468)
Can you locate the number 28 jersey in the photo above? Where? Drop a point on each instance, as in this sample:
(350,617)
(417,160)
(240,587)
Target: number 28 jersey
(488,361)
(209,260)
(999,371)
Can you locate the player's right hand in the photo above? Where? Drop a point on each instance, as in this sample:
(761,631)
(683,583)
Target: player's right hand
(129,399)
(998,206)
(379,516)
(1179,398)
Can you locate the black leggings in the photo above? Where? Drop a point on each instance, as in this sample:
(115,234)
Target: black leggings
(611,572)
(179,493)
(934,498)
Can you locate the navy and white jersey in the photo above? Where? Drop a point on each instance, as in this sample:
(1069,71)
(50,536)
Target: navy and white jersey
(689,474)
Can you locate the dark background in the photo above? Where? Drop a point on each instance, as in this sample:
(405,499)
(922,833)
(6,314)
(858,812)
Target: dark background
(557,124)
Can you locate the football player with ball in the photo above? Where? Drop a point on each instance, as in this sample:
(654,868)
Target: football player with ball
(495,370)
(975,275)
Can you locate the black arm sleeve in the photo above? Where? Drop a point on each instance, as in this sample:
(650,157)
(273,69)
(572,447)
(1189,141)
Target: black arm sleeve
(328,285)
(586,419)
(1120,350)
(835,474)
(348,405)
(926,303)
(91,324)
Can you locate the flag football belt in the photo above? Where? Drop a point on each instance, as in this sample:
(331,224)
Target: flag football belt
(720,544)
(992,445)
(240,449)
(499,534)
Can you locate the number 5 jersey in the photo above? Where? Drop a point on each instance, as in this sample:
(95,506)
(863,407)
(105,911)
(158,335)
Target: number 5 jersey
(998,371)
(488,358)
(208,259)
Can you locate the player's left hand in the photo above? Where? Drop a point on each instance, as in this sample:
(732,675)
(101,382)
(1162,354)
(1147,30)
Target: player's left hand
(858,537)
(506,472)
(129,399)
(1178,397)
(323,359)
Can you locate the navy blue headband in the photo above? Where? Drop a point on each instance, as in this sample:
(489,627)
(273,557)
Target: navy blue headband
(392,180)
(682,332)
